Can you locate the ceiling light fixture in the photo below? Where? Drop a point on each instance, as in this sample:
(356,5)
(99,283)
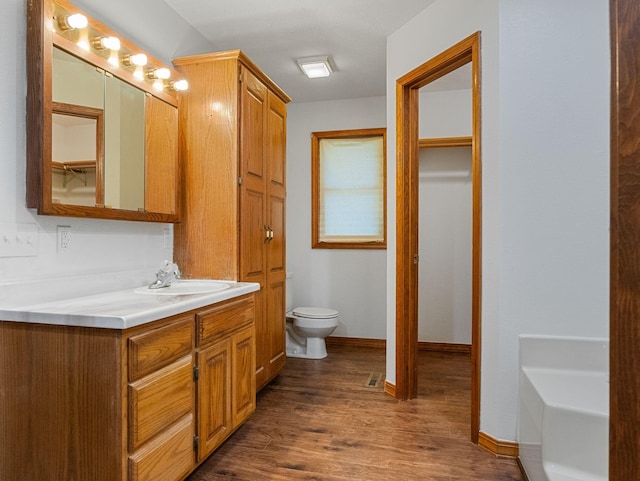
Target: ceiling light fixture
(315,67)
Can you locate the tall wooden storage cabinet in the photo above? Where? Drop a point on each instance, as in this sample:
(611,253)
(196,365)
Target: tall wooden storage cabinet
(232,124)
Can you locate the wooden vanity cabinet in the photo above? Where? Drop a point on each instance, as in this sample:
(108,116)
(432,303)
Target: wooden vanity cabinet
(95,404)
(233,149)
(226,371)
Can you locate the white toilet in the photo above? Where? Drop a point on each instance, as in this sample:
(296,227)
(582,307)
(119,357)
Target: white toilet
(307,327)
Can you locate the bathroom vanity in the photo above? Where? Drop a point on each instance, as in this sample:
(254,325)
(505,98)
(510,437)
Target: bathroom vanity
(122,385)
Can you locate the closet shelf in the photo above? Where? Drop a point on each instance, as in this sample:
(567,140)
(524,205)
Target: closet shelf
(77,169)
(445,142)
(74,165)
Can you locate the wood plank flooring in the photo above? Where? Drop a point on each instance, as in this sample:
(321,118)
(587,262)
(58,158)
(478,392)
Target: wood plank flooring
(318,421)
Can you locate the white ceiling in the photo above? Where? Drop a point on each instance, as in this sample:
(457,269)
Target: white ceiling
(273,33)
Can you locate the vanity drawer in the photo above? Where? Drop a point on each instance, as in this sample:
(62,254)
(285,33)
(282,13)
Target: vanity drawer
(159,400)
(160,347)
(167,458)
(223,319)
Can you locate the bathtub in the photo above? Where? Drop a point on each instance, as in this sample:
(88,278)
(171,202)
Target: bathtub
(563,408)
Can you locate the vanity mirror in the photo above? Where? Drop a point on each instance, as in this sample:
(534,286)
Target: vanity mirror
(102,122)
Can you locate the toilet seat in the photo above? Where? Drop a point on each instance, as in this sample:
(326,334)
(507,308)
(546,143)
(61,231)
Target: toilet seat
(315,313)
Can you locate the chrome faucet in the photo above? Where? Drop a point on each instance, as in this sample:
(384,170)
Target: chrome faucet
(167,273)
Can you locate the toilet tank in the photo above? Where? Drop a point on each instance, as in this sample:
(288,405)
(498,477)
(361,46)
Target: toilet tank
(289,292)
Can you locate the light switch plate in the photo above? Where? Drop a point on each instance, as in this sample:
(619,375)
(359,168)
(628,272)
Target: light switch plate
(18,240)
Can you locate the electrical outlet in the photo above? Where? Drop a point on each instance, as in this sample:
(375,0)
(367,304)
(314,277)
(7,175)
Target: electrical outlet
(64,238)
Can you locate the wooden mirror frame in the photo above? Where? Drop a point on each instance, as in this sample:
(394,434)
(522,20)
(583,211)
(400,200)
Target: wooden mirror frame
(40,42)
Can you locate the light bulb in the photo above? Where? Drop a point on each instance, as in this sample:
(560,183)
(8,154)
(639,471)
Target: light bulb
(111,43)
(163,73)
(71,22)
(139,59)
(180,85)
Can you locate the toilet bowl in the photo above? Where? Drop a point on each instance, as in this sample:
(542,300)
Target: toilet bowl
(307,328)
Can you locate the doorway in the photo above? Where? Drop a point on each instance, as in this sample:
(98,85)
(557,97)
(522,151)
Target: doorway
(407,195)
(444,228)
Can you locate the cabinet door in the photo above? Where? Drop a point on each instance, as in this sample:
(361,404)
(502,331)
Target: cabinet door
(253,201)
(214,396)
(162,183)
(252,170)
(276,247)
(243,366)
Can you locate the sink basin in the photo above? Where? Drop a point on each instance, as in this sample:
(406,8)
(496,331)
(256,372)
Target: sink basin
(185,287)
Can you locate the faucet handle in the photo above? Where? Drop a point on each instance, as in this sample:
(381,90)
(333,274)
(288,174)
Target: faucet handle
(169,267)
(167,273)
(172,268)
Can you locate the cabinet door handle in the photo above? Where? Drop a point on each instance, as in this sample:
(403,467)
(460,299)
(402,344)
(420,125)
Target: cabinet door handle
(266,233)
(270,233)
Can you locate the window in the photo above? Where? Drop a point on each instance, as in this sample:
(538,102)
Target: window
(349,172)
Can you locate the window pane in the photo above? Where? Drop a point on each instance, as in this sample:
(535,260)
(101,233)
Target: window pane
(352,213)
(351,163)
(349,174)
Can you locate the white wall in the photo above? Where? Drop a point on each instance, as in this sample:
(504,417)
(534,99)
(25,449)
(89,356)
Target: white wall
(554,150)
(445,114)
(545,110)
(350,281)
(98,246)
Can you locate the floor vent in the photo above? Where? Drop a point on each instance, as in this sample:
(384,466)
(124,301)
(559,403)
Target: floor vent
(374,380)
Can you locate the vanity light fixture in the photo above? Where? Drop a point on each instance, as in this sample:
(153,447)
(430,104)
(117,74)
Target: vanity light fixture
(315,67)
(179,85)
(113,59)
(138,73)
(159,73)
(103,43)
(139,60)
(84,45)
(158,85)
(72,22)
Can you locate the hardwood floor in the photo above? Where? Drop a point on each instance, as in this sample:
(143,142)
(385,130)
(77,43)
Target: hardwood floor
(318,421)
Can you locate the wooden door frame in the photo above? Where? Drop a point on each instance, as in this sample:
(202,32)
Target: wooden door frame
(407,147)
(624,419)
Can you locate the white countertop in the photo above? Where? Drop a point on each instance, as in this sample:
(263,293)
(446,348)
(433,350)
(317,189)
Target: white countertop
(117,309)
